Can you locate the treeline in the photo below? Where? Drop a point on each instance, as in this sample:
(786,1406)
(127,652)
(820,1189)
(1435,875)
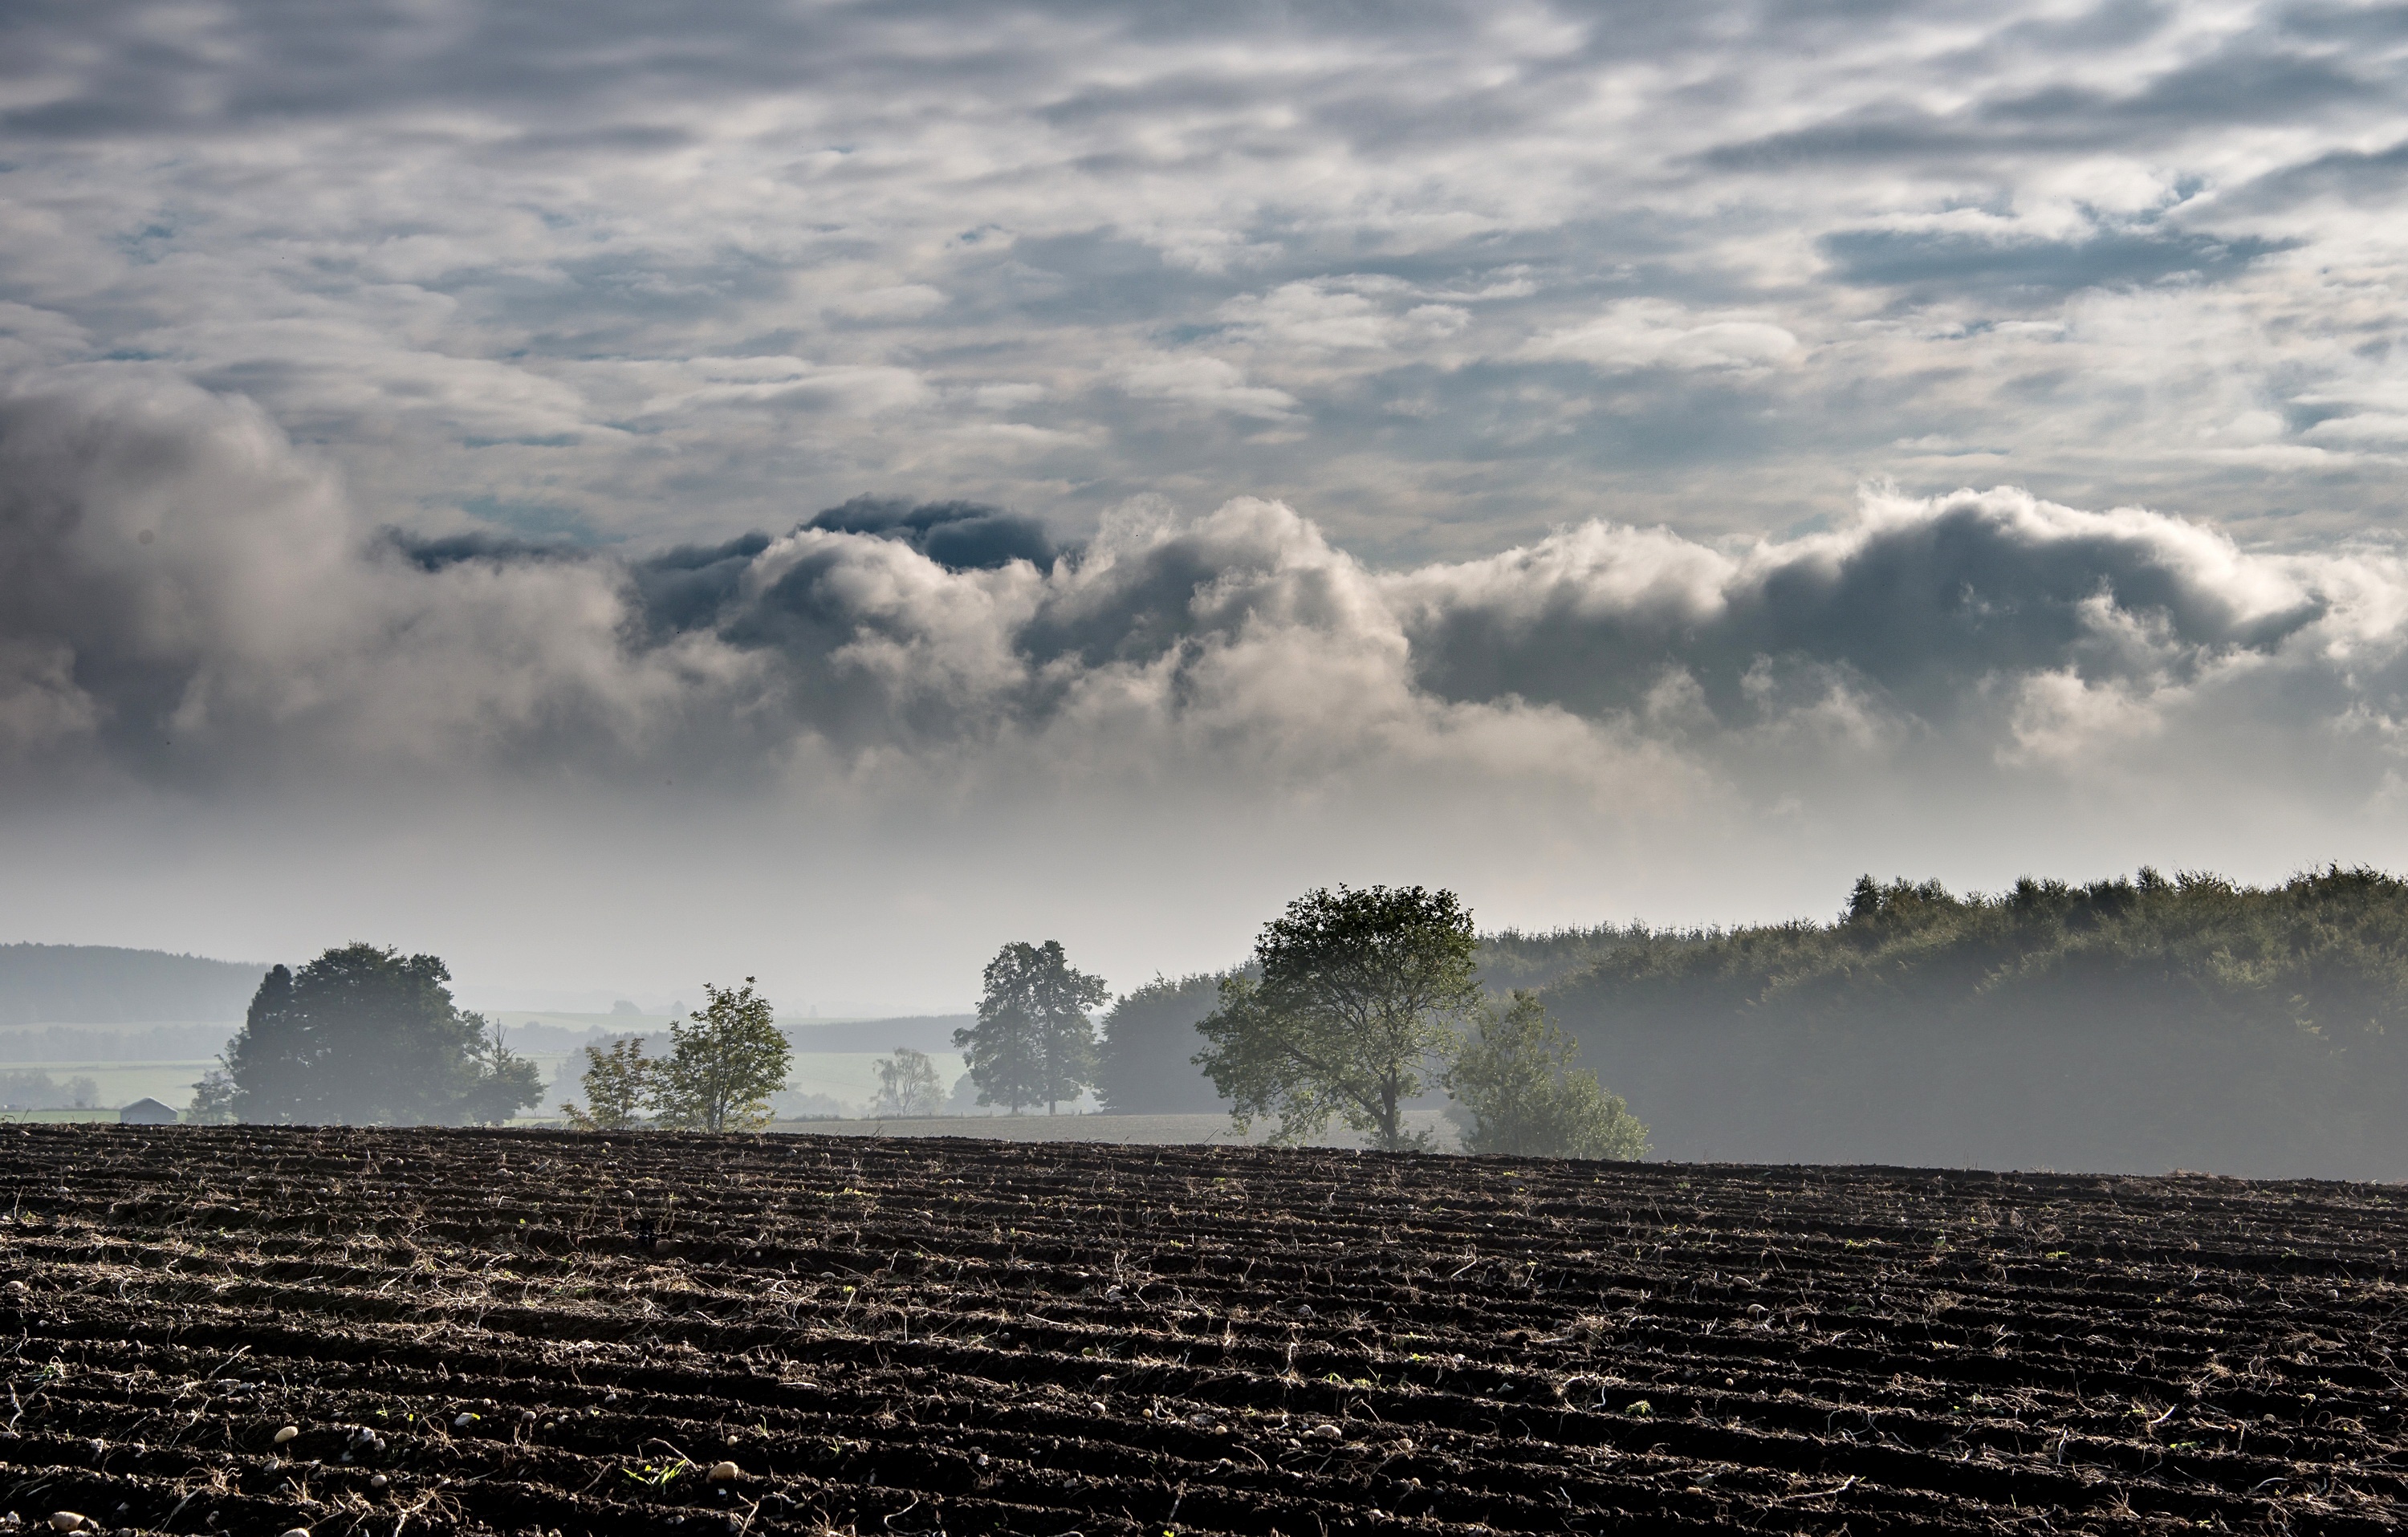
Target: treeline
(24,1089)
(1146,1056)
(2146,1024)
(101,1043)
(104,984)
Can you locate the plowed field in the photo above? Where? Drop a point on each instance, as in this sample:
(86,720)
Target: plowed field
(538,1332)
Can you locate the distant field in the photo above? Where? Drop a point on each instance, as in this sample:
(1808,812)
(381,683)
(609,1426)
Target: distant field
(849,1076)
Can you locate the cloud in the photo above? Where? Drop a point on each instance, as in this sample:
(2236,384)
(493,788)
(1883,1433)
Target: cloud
(664,277)
(1653,333)
(1339,315)
(186,597)
(1211,382)
(957,536)
(1904,257)
(858,748)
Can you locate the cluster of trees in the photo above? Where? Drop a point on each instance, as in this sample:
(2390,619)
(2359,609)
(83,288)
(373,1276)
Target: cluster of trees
(25,1089)
(2152,1022)
(1356,1005)
(725,1059)
(365,1036)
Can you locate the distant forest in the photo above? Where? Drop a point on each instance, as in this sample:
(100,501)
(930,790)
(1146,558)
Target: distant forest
(2137,1024)
(103,985)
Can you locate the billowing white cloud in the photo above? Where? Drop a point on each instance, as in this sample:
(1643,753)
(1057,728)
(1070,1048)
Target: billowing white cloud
(187,597)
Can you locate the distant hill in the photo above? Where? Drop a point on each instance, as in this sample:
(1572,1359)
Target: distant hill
(931,1033)
(101,985)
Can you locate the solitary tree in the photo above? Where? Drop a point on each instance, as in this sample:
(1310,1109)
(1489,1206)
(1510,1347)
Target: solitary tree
(907,1084)
(725,1062)
(1033,1044)
(617,1082)
(1515,1084)
(371,1037)
(1359,995)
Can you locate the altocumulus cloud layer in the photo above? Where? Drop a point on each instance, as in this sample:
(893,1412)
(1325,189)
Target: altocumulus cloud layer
(186,603)
(1442,275)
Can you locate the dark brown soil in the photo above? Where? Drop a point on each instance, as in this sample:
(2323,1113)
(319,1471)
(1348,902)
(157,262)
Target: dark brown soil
(523,1332)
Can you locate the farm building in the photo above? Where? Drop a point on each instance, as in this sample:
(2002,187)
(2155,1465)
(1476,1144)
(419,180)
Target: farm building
(147,1112)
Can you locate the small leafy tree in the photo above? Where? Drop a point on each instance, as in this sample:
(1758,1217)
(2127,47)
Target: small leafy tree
(618,1082)
(725,1062)
(907,1084)
(501,1082)
(1358,995)
(365,1036)
(1033,1044)
(1515,1084)
(212,1098)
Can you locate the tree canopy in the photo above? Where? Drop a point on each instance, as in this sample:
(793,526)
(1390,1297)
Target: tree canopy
(618,1087)
(725,1059)
(369,1037)
(2148,1022)
(1033,1043)
(907,1084)
(1358,996)
(1517,1092)
(1146,1063)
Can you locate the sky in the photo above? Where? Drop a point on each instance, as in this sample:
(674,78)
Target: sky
(620,495)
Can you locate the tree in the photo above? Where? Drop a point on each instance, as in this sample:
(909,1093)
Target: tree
(212,1098)
(1034,1042)
(1146,1063)
(369,1037)
(725,1062)
(907,1084)
(618,1083)
(1358,995)
(1515,1084)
